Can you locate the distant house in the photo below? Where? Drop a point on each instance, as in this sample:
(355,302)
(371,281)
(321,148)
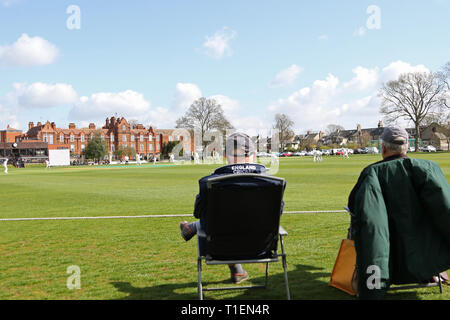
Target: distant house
(310,138)
(437,136)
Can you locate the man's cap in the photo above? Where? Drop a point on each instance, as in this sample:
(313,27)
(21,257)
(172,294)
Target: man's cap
(239,144)
(395,135)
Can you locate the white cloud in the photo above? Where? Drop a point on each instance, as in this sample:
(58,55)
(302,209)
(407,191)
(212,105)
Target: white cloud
(286,77)
(234,112)
(43,95)
(218,45)
(160,117)
(100,105)
(28,51)
(229,106)
(347,103)
(310,106)
(8,117)
(185,94)
(395,69)
(364,78)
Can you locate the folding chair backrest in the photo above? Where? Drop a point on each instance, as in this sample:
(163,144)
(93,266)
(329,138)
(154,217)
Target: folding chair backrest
(243,216)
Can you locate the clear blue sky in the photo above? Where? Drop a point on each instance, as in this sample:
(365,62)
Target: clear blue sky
(157,50)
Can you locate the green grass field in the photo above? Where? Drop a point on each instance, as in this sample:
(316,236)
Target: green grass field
(145,258)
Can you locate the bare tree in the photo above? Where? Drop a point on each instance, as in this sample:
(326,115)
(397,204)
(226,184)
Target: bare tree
(204,115)
(412,97)
(364,139)
(284,126)
(332,128)
(444,76)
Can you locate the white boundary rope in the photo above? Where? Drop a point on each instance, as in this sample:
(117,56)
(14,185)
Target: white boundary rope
(145,216)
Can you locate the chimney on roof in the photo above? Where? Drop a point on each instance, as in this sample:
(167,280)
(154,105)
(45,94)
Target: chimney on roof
(91,126)
(39,124)
(107,123)
(358,127)
(53,125)
(71,125)
(30,125)
(380,124)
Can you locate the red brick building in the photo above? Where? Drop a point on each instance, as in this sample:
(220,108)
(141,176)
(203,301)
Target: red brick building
(9,135)
(117,132)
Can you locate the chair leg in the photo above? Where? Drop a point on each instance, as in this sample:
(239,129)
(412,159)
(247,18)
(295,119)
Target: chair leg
(286,281)
(440,283)
(267,275)
(199,286)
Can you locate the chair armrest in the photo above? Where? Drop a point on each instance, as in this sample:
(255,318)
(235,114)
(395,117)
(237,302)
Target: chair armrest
(282,232)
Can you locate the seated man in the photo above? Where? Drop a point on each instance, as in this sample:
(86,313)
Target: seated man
(400,219)
(240,149)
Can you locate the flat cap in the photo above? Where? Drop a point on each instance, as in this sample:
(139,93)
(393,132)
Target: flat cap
(396,135)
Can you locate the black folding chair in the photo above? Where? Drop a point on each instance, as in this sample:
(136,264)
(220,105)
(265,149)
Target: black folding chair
(242,224)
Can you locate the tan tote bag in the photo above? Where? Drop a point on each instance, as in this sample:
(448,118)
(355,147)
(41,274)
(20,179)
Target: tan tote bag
(343,276)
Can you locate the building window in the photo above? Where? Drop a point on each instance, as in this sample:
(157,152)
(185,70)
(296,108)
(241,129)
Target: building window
(124,145)
(124,128)
(124,138)
(132,137)
(61,138)
(141,138)
(45,138)
(157,147)
(72,148)
(82,148)
(142,147)
(72,138)
(157,137)
(150,147)
(82,138)
(112,138)
(50,138)
(150,138)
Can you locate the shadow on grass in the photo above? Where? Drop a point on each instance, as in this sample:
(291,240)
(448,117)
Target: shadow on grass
(305,283)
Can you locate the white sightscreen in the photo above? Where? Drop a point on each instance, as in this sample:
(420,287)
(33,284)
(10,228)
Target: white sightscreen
(59,157)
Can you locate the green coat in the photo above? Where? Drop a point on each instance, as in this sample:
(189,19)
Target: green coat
(400,223)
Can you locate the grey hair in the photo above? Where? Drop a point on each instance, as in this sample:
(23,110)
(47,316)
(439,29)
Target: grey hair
(396,148)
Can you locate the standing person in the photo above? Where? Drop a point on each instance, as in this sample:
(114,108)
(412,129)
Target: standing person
(240,149)
(400,219)
(345,153)
(138,159)
(317,156)
(196,158)
(314,155)
(5,165)
(47,164)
